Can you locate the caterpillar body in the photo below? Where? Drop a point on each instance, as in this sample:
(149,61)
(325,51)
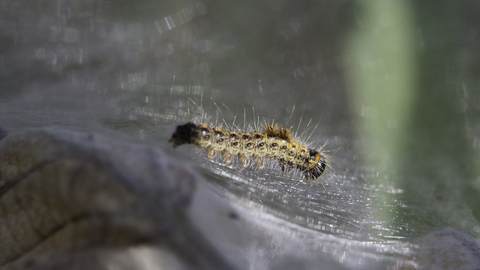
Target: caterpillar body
(273,142)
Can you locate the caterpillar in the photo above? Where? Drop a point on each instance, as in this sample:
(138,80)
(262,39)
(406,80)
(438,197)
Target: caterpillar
(274,142)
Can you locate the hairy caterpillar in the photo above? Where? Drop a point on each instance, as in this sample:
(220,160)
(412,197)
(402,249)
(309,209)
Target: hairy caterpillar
(273,142)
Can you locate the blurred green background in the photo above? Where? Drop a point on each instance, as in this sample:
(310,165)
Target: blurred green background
(414,80)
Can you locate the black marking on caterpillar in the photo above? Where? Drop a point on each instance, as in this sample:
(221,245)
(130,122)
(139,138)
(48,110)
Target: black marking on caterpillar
(274,143)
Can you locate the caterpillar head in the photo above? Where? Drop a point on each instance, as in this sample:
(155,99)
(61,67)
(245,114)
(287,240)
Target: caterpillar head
(187,133)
